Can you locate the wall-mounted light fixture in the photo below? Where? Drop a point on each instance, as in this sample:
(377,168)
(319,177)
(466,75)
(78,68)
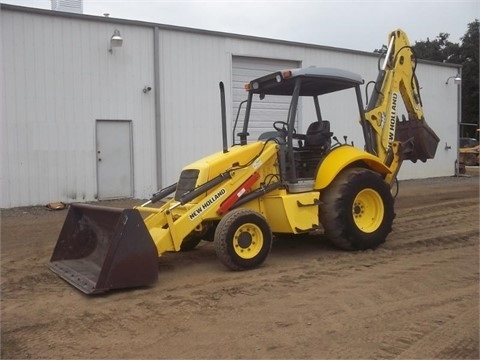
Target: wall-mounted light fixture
(456,79)
(115,41)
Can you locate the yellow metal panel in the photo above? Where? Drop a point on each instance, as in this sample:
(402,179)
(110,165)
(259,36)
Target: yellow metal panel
(214,164)
(292,213)
(170,224)
(340,158)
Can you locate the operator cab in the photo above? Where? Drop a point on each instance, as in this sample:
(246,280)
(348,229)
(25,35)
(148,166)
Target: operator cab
(300,153)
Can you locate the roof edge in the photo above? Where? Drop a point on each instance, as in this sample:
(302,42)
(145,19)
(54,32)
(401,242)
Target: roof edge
(4,6)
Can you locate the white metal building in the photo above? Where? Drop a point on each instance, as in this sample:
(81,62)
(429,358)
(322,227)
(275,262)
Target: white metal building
(81,120)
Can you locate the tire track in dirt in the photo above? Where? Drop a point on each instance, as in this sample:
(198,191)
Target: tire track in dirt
(454,345)
(378,303)
(413,297)
(399,299)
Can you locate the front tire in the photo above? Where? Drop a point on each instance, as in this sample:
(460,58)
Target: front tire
(243,239)
(192,240)
(190,243)
(357,210)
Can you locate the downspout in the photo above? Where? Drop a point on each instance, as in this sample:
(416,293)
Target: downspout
(156,84)
(459,122)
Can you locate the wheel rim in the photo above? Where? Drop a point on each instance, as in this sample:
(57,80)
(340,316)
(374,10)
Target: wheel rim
(368,210)
(248,241)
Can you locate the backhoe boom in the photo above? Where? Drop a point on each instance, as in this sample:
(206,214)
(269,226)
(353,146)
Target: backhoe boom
(393,140)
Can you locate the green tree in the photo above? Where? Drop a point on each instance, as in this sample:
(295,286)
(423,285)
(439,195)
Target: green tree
(441,49)
(465,54)
(470,69)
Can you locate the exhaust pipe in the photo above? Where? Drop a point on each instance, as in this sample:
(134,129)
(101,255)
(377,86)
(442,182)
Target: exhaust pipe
(224,117)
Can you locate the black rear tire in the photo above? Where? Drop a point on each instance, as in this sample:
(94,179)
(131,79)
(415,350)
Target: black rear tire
(357,210)
(243,239)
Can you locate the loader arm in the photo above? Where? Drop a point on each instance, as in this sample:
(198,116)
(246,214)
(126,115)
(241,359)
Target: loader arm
(386,137)
(170,224)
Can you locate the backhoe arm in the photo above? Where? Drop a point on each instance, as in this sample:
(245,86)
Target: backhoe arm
(390,139)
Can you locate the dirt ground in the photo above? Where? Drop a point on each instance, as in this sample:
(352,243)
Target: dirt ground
(415,297)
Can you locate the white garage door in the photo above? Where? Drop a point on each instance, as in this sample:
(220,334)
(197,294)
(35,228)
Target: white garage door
(265,112)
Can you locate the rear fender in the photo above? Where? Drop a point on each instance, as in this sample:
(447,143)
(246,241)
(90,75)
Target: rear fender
(340,158)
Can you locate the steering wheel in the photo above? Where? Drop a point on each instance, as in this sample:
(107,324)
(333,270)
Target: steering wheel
(284,128)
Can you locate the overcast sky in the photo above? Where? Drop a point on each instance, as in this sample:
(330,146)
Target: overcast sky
(352,24)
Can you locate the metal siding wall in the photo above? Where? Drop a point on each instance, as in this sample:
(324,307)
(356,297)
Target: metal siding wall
(440,108)
(59,79)
(191,67)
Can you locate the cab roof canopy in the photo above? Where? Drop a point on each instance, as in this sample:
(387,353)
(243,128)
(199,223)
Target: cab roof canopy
(315,81)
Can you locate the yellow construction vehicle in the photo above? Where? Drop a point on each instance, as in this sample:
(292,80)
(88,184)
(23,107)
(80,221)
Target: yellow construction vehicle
(468,153)
(282,182)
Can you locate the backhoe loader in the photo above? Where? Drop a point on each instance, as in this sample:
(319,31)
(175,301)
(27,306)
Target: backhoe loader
(280,182)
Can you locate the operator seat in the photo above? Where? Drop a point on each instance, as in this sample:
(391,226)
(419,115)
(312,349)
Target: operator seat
(318,136)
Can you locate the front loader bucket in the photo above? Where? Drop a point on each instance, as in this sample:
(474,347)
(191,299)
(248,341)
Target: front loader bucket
(419,139)
(101,248)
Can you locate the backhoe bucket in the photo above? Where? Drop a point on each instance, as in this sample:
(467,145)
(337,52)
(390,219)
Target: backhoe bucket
(419,140)
(102,248)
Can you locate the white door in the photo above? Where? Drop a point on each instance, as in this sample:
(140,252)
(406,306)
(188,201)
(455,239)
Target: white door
(114,159)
